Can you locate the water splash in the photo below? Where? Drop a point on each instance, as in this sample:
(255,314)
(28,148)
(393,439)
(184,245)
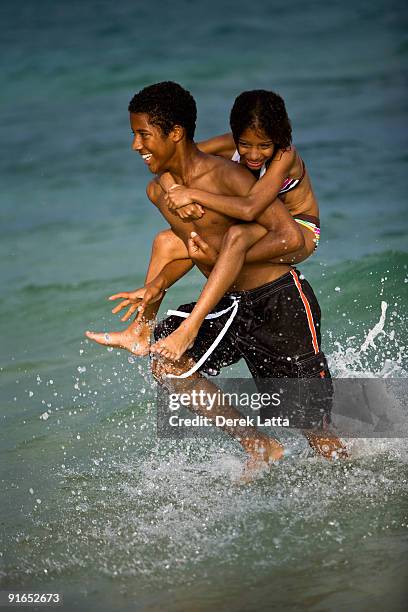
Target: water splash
(384,358)
(377,329)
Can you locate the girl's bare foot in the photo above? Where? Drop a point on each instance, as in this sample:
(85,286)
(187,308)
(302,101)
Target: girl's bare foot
(135,339)
(201,251)
(176,344)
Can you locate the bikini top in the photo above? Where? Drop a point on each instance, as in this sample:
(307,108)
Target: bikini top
(288,184)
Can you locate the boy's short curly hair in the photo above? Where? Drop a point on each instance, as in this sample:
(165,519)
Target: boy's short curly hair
(167,104)
(264,110)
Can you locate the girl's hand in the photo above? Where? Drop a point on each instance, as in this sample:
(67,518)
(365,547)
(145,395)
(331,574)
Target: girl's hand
(180,203)
(188,213)
(178,196)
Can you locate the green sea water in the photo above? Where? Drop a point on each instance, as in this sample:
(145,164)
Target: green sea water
(93,504)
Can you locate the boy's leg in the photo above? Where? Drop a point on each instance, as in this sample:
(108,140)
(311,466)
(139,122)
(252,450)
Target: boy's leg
(236,242)
(327,445)
(283,341)
(135,338)
(260,448)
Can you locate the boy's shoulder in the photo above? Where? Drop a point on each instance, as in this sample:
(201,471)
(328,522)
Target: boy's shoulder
(229,174)
(154,190)
(222,166)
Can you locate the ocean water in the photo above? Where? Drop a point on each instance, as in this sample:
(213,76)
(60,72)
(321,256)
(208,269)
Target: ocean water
(93,504)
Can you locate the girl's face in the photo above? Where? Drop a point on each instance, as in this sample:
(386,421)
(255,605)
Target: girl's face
(255,148)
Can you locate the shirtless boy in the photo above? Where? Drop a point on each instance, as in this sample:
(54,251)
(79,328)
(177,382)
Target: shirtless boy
(277,324)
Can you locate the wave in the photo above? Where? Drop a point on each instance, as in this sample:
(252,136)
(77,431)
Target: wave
(364,315)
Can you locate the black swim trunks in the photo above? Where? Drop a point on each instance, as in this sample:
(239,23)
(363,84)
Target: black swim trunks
(276,331)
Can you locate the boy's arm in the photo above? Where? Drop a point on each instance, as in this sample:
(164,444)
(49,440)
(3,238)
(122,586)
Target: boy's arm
(156,195)
(147,299)
(172,272)
(178,268)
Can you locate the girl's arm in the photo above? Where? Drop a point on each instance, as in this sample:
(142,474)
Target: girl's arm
(191,212)
(223,145)
(248,207)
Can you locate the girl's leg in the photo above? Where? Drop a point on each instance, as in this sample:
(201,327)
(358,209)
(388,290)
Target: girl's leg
(301,254)
(262,250)
(135,338)
(236,242)
(266,249)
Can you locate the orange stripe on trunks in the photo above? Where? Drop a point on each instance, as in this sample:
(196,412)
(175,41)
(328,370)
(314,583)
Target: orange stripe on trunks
(308,312)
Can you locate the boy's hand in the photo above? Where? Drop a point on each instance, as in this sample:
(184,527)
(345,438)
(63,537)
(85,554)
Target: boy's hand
(137,299)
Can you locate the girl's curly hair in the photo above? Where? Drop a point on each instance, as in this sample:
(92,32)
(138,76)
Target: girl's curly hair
(261,110)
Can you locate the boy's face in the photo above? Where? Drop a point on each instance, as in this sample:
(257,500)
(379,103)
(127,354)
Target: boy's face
(150,142)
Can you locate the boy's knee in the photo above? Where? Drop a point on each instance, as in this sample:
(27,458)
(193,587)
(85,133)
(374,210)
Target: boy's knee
(163,241)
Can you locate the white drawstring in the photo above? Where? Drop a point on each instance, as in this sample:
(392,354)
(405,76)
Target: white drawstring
(212,315)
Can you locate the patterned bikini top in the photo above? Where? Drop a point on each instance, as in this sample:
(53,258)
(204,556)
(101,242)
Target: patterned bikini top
(288,184)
